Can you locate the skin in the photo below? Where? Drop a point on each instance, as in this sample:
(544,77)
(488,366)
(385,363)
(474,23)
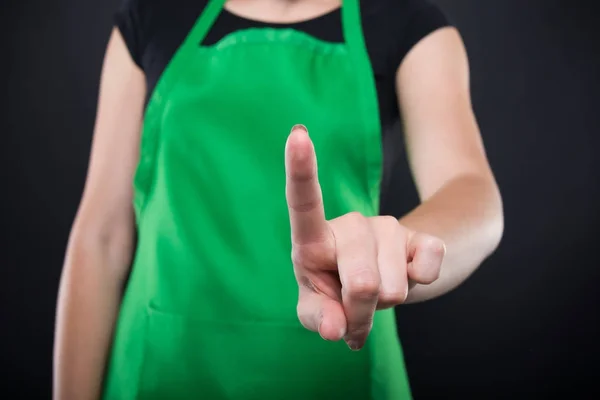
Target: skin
(347,267)
(350,266)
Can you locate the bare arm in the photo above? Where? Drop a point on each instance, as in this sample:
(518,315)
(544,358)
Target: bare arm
(101,242)
(461,203)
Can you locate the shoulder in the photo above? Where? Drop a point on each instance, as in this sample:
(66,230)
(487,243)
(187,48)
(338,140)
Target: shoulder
(403,9)
(398,16)
(143,23)
(148,15)
(396,26)
(148,11)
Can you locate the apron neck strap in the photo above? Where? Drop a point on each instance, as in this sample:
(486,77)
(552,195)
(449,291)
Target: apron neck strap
(206,20)
(351,22)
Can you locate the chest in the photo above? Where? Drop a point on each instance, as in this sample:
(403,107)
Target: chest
(165,38)
(253,86)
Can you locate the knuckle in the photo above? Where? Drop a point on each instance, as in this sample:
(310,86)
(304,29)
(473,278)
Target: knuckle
(389,225)
(389,222)
(309,256)
(302,175)
(386,226)
(306,205)
(363,285)
(356,216)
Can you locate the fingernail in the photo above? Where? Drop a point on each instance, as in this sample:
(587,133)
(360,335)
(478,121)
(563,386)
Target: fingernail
(354,345)
(300,127)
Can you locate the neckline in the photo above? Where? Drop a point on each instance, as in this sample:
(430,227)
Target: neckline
(327,14)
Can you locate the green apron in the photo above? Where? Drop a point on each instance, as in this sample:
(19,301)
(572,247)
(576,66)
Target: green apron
(210,307)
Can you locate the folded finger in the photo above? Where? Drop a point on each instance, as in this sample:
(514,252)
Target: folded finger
(426,254)
(357,267)
(391,260)
(322,314)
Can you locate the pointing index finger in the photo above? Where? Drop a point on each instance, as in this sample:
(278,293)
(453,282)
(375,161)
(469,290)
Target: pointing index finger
(303,191)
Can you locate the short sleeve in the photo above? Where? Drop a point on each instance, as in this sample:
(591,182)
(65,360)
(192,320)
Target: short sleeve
(422,18)
(129,20)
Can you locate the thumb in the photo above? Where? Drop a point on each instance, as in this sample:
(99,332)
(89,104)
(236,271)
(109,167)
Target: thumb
(425,255)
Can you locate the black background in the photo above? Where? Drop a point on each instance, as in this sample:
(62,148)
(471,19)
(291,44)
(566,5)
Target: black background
(524,326)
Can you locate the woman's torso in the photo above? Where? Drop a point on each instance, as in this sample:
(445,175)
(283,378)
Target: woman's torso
(154,30)
(210,305)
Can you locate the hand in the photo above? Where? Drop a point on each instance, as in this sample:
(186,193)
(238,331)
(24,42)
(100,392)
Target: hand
(351,266)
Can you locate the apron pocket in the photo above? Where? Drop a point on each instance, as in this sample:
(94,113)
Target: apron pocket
(198,359)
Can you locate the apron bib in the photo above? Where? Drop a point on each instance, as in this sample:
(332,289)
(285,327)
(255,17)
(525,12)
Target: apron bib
(210,307)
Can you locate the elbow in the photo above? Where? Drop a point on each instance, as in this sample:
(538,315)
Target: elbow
(496,232)
(107,249)
(493,227)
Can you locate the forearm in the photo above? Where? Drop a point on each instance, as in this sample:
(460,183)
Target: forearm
(88,304)
(467,215)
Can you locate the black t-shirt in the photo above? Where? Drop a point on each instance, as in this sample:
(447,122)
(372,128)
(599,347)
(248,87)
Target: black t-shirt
(153,30)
